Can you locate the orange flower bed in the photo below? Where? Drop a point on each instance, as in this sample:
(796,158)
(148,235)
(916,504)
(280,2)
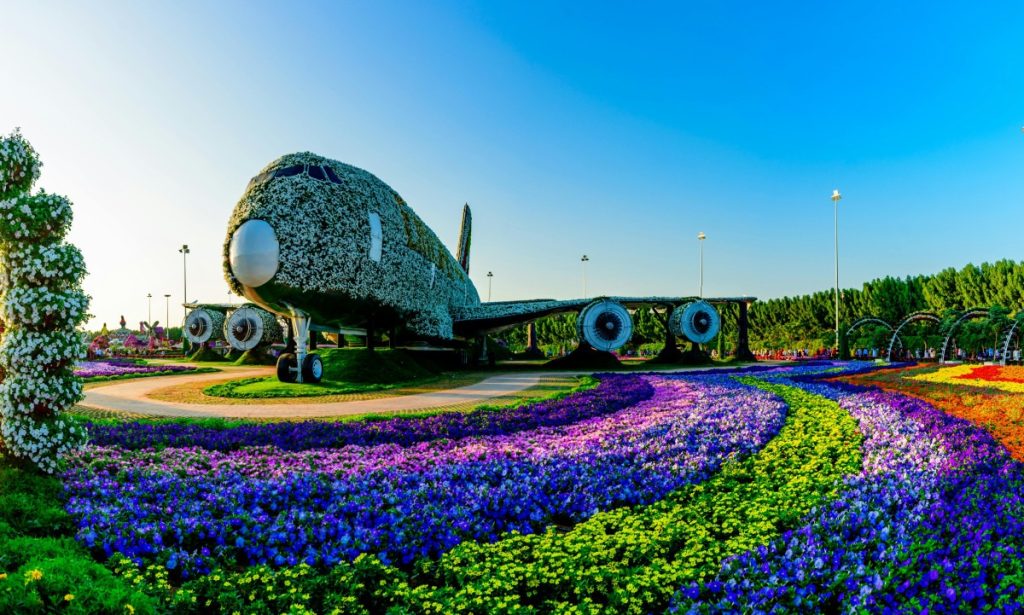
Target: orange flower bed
(999,412)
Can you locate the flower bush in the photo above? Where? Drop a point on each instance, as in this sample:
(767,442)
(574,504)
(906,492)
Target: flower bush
(998,411)
(110,369)
(433,495)
(933,523)
(1004,378)
(41,303)
(778,490)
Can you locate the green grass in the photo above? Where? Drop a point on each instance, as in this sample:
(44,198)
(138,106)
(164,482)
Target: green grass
(42,568)
(271,387)
(346,371)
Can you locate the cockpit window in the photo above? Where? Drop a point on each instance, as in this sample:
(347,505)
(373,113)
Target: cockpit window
(317,172)
(289,171)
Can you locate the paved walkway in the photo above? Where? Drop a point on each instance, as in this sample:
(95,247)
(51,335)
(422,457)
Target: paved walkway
(132,396)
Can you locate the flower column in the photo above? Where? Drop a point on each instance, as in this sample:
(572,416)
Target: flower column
(41,303)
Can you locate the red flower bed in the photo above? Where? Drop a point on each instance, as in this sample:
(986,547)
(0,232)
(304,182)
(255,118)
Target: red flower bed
(995,373)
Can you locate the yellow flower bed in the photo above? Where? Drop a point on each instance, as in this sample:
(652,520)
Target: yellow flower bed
(956,375)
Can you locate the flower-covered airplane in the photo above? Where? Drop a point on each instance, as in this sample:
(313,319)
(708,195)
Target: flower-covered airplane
(316,240)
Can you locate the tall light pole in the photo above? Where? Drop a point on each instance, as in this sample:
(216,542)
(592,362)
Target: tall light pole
(167,321)
(700,239)
(149,321)
(585,260)
(184,269)
(490,276)
(836,197)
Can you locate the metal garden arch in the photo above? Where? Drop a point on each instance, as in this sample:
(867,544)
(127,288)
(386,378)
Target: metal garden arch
(870,320)
(915,317)
(966,315)
(1009,338)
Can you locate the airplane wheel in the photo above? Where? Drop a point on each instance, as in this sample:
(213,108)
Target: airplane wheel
(312,369)
(286,367)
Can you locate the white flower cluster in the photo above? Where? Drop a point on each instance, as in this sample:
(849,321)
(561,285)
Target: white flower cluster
(41,303)
(19,165)
(42,264)
(39,307)
(326,243)
(35,217)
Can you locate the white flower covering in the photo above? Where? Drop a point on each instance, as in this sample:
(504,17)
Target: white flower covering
(42,303)
(324,236)
(19,165)
(39,307)
(40,264)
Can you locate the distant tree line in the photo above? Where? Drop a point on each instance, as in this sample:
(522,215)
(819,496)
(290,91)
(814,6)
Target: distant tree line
(808,320)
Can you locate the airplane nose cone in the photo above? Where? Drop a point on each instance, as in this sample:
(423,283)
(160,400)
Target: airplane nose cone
(253,253)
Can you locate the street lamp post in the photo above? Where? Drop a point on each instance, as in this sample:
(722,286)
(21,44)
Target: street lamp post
(149,320)
(167,319)
(835,202)
(490,276)
(585,260)
(184,269)
(700,239)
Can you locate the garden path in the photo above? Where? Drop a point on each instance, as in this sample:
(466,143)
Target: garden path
(131,396)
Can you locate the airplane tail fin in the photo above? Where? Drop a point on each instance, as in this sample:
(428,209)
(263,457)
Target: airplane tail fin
(464,235)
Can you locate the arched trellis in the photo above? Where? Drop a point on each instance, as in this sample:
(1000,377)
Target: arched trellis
(915,317)
(966,315)
(1014,328)
(869,320)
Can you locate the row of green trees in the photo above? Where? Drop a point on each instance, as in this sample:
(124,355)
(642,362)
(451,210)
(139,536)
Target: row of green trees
(808,320)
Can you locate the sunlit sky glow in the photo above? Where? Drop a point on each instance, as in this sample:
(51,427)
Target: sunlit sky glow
(615,130)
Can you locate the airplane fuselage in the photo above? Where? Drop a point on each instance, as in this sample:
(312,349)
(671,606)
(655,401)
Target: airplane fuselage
(332,241)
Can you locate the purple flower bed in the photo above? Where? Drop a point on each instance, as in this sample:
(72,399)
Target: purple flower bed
(191,509)
(935,523)
(114,367)
(615,391)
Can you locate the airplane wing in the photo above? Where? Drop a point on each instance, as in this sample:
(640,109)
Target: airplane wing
(497,315)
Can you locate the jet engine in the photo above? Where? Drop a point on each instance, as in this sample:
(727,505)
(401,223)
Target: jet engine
(605,325)
(249,326)
(697,321)
(203,325)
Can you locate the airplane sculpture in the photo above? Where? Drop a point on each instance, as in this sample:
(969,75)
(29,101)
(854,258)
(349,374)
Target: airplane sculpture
(316,240)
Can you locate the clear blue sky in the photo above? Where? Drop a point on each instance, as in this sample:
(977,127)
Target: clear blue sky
(615,130)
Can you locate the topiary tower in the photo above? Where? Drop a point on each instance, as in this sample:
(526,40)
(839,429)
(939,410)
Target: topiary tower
(41,304)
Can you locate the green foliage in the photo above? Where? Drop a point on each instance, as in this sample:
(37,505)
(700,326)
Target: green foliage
(42,568)
(382,366)
(29,503)
(72,583)
(808,320)
(207,355)
(271,387)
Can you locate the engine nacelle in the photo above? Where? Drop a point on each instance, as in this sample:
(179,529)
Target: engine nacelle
(203,325)
(250,326)
(697,321)
(605,325)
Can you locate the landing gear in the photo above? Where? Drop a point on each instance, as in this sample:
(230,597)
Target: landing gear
(301,366)
(286,371)
(312,369)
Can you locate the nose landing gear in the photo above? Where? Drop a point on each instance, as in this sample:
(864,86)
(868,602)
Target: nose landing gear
(303,366)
